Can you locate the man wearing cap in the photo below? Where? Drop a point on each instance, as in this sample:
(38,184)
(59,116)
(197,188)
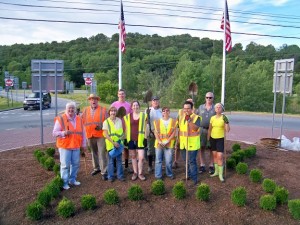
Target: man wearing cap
(93,117)
(154,113)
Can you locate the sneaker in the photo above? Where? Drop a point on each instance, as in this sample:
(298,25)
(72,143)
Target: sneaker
(66,187)
(76,183)
(121,179)
(142,177)
(134,176)
(94,172)
(202,169)
(211,170)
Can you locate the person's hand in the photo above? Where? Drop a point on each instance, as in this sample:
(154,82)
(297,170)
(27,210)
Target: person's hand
(187,118)
(67,132)
(116,144)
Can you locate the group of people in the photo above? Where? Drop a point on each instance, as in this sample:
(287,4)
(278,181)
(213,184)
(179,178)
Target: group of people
(124,130)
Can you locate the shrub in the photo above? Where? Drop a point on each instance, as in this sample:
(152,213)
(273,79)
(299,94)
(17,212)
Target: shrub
(239,196)
(236,147)
(44,197)
(40,156)
(255,175)
(54,189)
(267,202)
(43,159)
(242,154)
(88,202)
(56,169)
(179,190)
(49,163)
(135,193)
(281,194)
(294,208)
(241,168)
(231,163)
(269,185)
(58,182)
(250,151)
(65,208)
(34,211)
(236,156)
(50,151)
(111,196)
(37,153)
(158,187)
(203,192)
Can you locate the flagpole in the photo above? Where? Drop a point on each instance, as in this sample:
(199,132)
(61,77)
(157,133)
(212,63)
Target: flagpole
(120,51)
(224,56)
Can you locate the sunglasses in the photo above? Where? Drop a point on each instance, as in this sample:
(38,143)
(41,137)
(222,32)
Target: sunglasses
(209,97)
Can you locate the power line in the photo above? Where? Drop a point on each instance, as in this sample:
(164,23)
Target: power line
(149,26)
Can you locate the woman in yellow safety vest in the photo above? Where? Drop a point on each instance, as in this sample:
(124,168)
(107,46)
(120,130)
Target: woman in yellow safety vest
(135,124)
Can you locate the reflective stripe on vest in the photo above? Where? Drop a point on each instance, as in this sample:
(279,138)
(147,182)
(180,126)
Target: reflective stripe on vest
(141,128)
(114,134)
(164,136)
(91,122)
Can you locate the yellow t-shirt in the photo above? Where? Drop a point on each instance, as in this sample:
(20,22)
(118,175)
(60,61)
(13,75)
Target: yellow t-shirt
(217,127)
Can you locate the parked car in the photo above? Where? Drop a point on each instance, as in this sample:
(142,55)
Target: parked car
(32,101)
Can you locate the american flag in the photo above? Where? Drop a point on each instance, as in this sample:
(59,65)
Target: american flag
(227,31)
(123,31)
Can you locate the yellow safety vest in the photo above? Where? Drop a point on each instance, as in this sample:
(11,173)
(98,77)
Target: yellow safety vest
(115,134)
(164,133)
(141,131)
(189,139)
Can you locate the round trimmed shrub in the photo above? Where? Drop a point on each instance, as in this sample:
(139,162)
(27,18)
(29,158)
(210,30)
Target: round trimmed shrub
(241,168)
(158,187)
(111,197)
(34,211)
(281,194)
(43,159)
(40,156)
(37,153)
(242,154)
(88,202)
(250,151)
(269,185)
(294,208)
(239,196)
(44,197)
(236,147)
(179,190)
(135,193)
(58,182)
(56,169)
(267,202)
(236,156)
(65,208)
(203,192)
(49,163)
(230,163)
(255,175)
(54,189)
(50,151)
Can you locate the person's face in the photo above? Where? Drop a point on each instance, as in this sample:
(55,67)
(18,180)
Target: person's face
(209,98)
(71,111)
(166,113)
(155,104)
(121,95)
(218,109)
(135,107)
(187,109)
(113,113)
(94,102)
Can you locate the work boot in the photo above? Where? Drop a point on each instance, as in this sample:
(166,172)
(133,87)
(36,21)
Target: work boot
(221,168)
(216,171)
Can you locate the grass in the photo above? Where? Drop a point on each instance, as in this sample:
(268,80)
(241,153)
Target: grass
(11,105)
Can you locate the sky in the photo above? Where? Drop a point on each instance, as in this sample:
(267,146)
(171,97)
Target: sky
(264,17)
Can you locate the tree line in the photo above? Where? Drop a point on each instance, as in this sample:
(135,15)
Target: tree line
(166,66)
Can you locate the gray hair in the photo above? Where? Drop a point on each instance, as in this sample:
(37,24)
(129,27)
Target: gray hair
(70,104)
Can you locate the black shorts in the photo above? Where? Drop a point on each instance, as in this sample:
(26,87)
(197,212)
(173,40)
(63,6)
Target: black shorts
(217,144)
(133,145)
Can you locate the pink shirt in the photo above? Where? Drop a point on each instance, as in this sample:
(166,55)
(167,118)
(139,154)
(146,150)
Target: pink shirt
(126,105)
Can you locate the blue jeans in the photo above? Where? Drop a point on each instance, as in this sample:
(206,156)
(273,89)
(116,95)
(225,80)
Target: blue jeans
(69,164)
(168,156)
(110,168)
(192,163)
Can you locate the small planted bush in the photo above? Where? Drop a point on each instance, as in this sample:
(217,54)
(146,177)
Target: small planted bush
(50,151)
(135,193)
(49,163)
(43,159)
(111,197)
(239,196)
(250,151)
(58,182)
(203,192)
(179,190)
(39,156)
(294,208)
(88,202)
(65,208)
(269,185)
(231,163)
(44,197)
(241,168)
(267,202)
(56,169)
(236,156)
(158,187)
(53,188)
(34,211)
(242,154)
(37,153)
(281,194)
(236,147)
(255,175)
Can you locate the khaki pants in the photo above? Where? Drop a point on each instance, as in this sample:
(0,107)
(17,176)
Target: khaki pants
(99,154)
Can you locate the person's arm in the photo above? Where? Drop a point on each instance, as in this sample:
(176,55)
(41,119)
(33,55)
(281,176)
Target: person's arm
(195,125)
(209,131)
(57,130)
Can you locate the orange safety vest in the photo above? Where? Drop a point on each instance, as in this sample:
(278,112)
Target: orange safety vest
(163,133)
(73,140)
(90,122)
